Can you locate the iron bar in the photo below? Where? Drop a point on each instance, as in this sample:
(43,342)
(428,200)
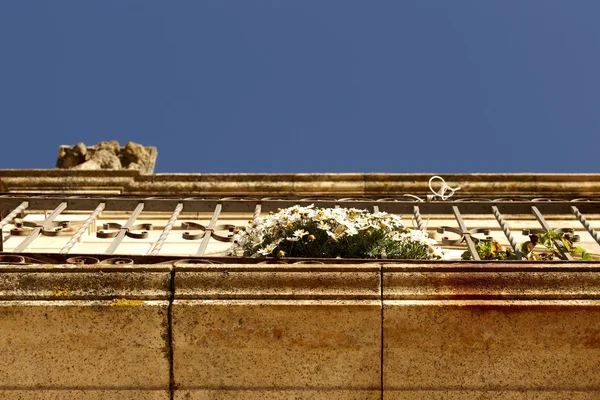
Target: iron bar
(507,232)
(559,245)
(585,224)
(209,230)
(8,219)
(466,234)
(67,247)
(36,231)
(165,232)
(117,240)
(417,214)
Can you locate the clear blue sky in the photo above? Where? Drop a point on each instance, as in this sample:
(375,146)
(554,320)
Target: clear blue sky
(306,85)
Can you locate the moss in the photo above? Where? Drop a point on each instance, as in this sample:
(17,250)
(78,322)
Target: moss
(125,303)
(59,292)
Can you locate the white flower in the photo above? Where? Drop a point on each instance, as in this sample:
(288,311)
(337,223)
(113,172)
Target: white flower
(300,233)
(266,251)
(257,241)
(323,226)
(332,235)
(350,231)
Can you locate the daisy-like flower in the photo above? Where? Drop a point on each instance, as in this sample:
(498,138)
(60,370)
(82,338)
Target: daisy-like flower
(351,231)
(300,233)
(324,226)
(266,251)
(381,234)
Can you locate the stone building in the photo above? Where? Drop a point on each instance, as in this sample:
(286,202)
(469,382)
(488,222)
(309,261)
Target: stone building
(114,284)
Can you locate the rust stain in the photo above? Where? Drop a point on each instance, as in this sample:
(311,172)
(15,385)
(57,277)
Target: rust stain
(277,333)
(591,339)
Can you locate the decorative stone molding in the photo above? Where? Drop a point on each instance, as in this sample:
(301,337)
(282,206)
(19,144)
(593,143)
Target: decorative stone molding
(107,155)
(95,282)
(491,281)
(296,281)
(301,185)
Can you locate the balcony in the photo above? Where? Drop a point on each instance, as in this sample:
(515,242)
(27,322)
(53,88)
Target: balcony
(131,296)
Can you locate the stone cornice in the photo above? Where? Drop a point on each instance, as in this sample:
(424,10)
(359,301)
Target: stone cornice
(68,282)
(306,282)
(304,185)
(491,281)
(299,282)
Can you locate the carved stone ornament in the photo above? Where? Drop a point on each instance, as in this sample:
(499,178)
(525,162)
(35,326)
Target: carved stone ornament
(107,155)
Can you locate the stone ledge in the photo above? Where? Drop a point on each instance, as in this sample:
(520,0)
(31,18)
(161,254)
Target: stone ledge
(277,282)
(84,283)
(491,281)
(260,185)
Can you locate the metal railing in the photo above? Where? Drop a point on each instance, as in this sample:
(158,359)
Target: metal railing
(14,205)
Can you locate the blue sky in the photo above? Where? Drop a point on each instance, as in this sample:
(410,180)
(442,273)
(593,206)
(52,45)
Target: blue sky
(306,86)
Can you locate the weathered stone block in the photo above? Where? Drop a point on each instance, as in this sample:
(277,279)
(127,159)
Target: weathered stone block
(73,332)
(275,332)
(268,345)
(527,349)
(50,345)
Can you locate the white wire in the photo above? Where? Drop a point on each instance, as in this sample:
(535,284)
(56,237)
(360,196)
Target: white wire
(441,193)
(443,189)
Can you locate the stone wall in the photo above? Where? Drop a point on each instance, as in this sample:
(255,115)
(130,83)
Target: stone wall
(300,331)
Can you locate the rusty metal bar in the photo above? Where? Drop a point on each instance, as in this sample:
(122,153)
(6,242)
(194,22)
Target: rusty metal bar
(417,214)
(559,245)
(36,231)
(209,230)
(466,234)
(8,219)
(165,232)
(507,232)
(67,247)
(119,238)
(585,224)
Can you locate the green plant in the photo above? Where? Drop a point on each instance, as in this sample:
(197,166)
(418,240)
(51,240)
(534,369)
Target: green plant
(540,246)
(490,250)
